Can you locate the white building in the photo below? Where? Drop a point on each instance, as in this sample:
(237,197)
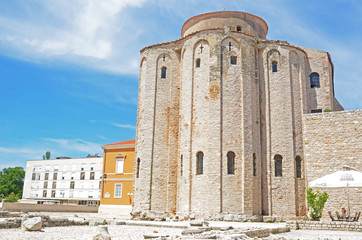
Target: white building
(73,181)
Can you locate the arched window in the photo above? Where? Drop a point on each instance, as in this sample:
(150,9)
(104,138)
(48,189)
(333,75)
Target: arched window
(238,28)
(278,165)
(233,60)
(275,66)
(231,162)
(254,164)
(198,62)
(138,168)
(314,80)
(200,163)
(182,164)
(163,72)
(298,165)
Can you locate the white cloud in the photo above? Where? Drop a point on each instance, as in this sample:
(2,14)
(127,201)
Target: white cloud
(21,151)
(86,32)
(77,145)
(17,156)
(124,126)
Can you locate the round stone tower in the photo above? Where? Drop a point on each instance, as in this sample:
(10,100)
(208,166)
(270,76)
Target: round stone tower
(238,21)
(219,127)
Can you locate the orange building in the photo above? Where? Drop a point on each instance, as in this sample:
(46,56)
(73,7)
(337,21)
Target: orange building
(117,179)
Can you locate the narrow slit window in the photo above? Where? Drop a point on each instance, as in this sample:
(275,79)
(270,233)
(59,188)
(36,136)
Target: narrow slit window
(298,165)
(254,164)
(163,72)
(182,163)
(200,163)
(278,165)
(233,60)
(138,168)
(314,80)
(198,62)
(231,162)
(275,66)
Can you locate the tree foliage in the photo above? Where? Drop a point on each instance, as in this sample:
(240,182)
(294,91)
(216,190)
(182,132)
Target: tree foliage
(316,201)
(12,180)
(47,155)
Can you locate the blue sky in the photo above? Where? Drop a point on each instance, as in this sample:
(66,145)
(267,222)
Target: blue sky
(69,69)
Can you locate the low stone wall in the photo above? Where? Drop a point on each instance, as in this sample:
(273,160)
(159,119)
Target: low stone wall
(27,207)
(317,225)
(12,220)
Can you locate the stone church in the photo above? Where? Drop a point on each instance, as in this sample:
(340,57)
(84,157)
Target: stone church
(230,122)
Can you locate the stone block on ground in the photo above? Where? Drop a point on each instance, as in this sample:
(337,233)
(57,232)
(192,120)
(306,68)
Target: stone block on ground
(279,230)
(118,222)
(78,221)
(191,231)
(269,219)
(154,236)
(196,223)
(32,224)
(229,218)
(235,236)
(97,221)
(102,234)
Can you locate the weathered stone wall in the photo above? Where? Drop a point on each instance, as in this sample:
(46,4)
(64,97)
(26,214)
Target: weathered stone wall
(284,91)
(322,97)
(157,131)
(332,140)
(231,134)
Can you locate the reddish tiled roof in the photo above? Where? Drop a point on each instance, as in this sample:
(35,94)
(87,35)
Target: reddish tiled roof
(124,142)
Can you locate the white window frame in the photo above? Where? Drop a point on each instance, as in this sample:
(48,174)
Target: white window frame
(115,190)
(120,163)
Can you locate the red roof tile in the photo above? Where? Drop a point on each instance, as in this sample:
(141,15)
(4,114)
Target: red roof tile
(124,142)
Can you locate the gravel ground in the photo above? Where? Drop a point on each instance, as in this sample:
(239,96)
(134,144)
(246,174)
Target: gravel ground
(136,233)
(85,233)
(319,235)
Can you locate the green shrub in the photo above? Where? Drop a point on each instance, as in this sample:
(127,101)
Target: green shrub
(327,110)
(12,197)
(316,201)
